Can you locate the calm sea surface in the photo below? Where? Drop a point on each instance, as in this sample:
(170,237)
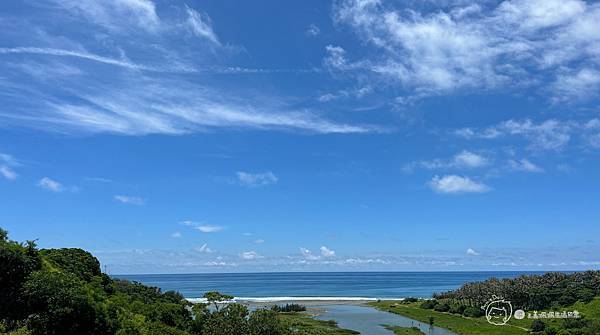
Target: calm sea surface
(317,284)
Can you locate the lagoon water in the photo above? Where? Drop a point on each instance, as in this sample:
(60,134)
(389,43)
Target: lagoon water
(317,284)
(367,320)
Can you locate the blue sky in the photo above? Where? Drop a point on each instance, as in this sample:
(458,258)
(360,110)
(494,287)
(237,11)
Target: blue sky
(219,136)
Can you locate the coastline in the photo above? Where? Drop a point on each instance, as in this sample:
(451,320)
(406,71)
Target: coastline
(303,300)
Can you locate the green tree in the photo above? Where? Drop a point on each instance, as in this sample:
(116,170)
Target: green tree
(215,298)
(265,322)
(229,320)
(17,262)
(76,261)
(58,304)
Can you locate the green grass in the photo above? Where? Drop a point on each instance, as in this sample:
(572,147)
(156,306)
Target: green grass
(458,324)
(404,330)
(479,326)
(303,324)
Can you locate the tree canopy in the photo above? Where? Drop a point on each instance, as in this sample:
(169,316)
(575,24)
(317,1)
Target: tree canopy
(63,291)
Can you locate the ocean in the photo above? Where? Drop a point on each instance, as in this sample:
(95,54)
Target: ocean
(276,286)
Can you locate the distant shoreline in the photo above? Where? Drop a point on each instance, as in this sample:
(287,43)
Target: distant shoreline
(303,300)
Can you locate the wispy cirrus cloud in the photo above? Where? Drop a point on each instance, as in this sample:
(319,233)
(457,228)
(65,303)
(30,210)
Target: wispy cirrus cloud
(256,179)
(201,25)
(162,106)
(91,57)
(130,200)
(128,95)
(115,15)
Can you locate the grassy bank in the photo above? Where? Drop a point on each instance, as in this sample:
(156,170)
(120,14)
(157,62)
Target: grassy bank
(302,324)
(479,326)
(458,324)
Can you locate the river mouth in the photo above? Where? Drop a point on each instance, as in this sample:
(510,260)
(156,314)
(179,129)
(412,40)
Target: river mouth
(368,320)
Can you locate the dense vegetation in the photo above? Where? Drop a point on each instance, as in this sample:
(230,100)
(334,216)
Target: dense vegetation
(531,292)
(63,291)
(460,310)
(287,308)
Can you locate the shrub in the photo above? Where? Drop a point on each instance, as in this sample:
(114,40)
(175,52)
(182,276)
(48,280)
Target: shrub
(410,299)
(443,307)
(429,304)
(537,326)
(473,312)
(585,295)
(288,308)
(263,322)
(457,309)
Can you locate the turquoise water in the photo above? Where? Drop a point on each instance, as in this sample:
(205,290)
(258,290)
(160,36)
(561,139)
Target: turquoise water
(368,320)
(317,284)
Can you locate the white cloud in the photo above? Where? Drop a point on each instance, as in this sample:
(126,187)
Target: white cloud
(176,235)
(89,56)
(250,255)
(313,30)
(209,228)
(472,252)
(307,254)
(524,165)
(259,241)
(469,159)
(576,85)
(478,47)
(8,173)
(453,184)
(8,160)
(326,252)
(201,25)
(51,185)
(141,105)
(593,140)
(204,249)
(6,163)
(547,135)
(116,15)
(256,179)
(463,159)
(131,200)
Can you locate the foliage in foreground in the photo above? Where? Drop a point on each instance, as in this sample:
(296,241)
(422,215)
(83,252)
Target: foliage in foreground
(63,291)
